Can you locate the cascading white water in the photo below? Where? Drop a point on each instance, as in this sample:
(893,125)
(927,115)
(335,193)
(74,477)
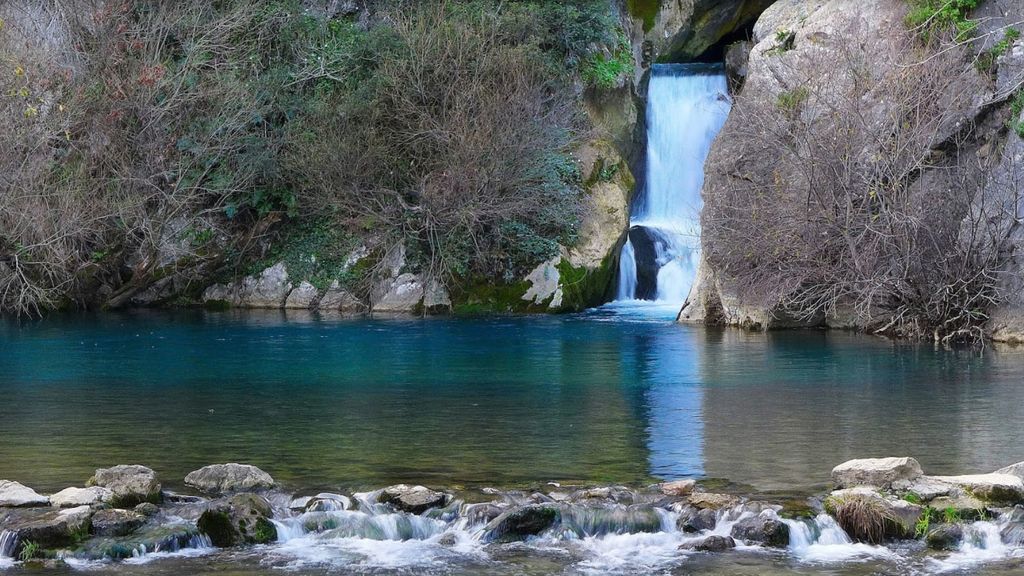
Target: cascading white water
(687,105)
(8,543)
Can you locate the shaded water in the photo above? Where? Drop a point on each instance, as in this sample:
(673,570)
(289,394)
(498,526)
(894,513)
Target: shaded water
(598,397)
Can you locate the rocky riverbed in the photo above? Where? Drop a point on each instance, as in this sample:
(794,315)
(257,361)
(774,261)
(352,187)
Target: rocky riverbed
(881,510)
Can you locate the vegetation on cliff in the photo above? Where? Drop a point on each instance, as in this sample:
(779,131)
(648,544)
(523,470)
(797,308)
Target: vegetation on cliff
(141,138)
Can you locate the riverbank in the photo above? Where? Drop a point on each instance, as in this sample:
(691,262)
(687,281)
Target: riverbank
(885,514)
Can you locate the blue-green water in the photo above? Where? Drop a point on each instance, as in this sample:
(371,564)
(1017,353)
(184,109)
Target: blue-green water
(331,403)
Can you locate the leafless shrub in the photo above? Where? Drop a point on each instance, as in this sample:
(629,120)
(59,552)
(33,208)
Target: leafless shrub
(857,187)
(95,162)
(459,134)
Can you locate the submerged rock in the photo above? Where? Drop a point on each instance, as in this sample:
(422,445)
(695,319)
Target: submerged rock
(130,485)
(521,523)
(600,520)
(166,538)
(412,499)
(116,522)
(17,495)
(709,500)
(712,543)
(241,519)
(945,537)
(879,472)
(763,529)
(225,478)
(327,502)
(74,497)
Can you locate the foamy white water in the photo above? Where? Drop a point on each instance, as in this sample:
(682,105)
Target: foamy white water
(686,108)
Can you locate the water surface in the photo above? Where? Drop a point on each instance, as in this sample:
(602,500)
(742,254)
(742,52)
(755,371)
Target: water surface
(592,398)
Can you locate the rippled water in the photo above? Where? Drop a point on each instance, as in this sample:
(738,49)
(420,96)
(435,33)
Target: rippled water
(598,397)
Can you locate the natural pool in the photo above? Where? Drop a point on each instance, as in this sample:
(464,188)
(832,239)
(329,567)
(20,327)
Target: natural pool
(603,397)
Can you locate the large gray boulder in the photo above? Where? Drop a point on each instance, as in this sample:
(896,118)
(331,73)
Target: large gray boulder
(764,529)
(48,528)
(16,495)
(878,472)
(403,295)
(225,478)
(268,289)
(302,298)
(868,516)
(338,299)
(1013,470)
(412,499)
(239,520)
(130,485)
(73,497)
(521,523)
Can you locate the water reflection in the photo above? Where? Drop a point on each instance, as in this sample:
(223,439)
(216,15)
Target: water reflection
(329,403)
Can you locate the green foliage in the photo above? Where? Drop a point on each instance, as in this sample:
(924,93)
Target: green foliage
(315,250)
(1016,110)
(924,522)
(29,551)
(785,40)
(645,10)
(791,100)
(986,61)
(608,71)
(912,497)
(933,17)
(951,516)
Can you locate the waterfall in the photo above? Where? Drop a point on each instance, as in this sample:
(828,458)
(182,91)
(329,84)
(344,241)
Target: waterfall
(687,105)
(8,543)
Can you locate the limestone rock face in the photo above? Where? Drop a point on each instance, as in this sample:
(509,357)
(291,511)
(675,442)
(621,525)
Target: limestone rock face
(129,485)
(412,499)
(337,299)
(545,284)
(791,40)
(681,31)
(74,497)
(609,185)
(225,478)
(269,289)
(1013,470)
(302,298)
(16,495)
(403,295)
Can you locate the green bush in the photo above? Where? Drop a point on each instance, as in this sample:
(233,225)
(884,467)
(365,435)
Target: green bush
(952,17)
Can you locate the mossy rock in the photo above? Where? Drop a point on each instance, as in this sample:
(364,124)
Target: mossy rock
(241,520)
(584,288)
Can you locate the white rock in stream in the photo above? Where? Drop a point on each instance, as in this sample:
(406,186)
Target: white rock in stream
(1005,489)
(16,495)
(879,472)
(73,497)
